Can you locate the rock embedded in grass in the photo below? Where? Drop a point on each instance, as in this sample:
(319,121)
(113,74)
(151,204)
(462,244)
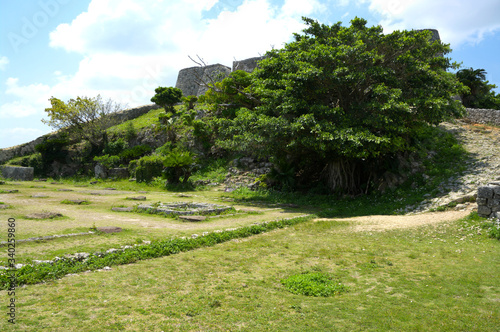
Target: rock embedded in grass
(137,198)
(44,215)
(11,191)
(109,229)
(39,196)
(122,209)
(4,206)
(64,189)
(193,218)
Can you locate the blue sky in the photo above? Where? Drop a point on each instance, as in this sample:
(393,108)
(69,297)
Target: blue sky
(124,49)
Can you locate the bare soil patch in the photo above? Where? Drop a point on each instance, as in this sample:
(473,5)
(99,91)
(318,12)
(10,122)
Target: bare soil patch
(382,223)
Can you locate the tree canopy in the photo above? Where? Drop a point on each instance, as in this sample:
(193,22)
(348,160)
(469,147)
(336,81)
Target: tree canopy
(480,93)
(84,118)
(167,97)
(338,100)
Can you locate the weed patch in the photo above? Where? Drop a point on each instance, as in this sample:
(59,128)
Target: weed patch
(314,284)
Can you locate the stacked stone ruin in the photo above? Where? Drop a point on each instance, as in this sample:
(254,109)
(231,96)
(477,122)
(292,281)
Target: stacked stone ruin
(488,200)
(193,81)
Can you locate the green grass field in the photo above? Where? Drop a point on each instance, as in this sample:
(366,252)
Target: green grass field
(442,277)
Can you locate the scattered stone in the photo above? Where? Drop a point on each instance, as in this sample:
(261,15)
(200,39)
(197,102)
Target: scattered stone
(183,195)
(40,180)
(184,208)
(11,191)
(64,189)
(109,188)
(96,194)
(137,198)
(43,215)
(37,186)
(142,192)
(193,218)
(77,201)
(122,209)
(109,229)
(4,206)
(56,183)
(39,196)
(94,182)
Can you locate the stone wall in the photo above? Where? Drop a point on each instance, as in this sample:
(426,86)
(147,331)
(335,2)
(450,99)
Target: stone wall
(484,116)
(190,80)
(247,65)
(18,173)
(488,200)
(29,148)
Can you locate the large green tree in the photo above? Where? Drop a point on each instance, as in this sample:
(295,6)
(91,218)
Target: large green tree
(339,101)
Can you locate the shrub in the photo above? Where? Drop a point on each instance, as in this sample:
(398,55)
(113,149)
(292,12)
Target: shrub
(148,167)
(116,147)
(135,152)
(132,167)
(108,161)
(178,164)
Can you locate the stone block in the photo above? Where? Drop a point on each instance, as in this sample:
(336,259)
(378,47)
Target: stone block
(482,201)
(485,192)
(100,172)
(496,190)
(483,211)
(119,173)
(18,173)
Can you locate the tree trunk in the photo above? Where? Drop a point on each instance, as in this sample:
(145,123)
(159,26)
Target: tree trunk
(344,177)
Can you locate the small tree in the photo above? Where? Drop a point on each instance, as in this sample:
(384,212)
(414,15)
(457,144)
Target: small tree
(83,118)
(167,98)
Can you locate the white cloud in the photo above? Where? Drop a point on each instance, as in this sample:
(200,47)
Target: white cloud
(130,47)
(4,61)
(458,21)
(31,99)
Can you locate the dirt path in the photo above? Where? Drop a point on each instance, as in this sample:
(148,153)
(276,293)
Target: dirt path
(383,223)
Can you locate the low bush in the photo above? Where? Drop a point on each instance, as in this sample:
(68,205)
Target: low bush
(149,167)
(108,161)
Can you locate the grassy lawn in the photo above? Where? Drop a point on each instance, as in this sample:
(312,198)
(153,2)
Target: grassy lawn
(434,278)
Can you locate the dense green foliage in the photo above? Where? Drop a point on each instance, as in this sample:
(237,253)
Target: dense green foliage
(149,167)
(167,97)
(480,93)
(339,101)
